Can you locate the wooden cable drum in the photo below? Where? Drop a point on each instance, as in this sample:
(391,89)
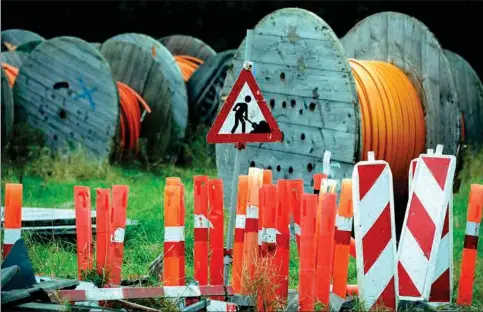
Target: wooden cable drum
(204,88)
(320,96)
(65,88)
(187,45)
(148,67)
(7,110)
(96,45)
(15,37)
(20,54)
(470,93)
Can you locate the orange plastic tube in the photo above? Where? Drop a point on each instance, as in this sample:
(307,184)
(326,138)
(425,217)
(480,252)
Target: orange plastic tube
(118,228)
(267,179)
(318,178)
(103,231)
(296,188)
(307,253)
(215,216)
(172,235)
(470,251)
(175,181)
(269,237)
(342,240)
(201,226)
(241,209)
(13,216)
(83,222)
(282,256)
(325,249)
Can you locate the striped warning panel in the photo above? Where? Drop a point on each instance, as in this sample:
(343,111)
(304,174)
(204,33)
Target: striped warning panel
(422,232)
(375,236)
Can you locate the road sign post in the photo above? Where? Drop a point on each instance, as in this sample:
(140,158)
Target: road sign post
(244,108)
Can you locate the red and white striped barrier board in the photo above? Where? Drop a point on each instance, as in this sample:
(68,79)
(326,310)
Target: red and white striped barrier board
(121,293)
(429,197)
(220,306)
(375,235)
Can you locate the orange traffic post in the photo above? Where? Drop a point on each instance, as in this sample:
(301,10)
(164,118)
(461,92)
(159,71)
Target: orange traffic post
(103,231)
(201,225)
(241,208)
(296,192)
(267,176)
(325,248)
(282,256)
(13,216)
(173,234)
(215,216)
(342,245)
(353,248)
(83,223)
(250,249)
(468,261)
(307,253)
(175,181)
(318,178)
(118,229)
(266,180)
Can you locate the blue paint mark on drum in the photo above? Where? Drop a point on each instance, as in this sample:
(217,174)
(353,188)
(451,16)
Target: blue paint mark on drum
(87,93)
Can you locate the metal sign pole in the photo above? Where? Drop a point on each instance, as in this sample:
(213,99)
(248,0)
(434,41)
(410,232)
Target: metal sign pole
(236,172)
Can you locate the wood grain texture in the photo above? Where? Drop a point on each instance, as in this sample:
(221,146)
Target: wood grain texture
(18,37)
(7,110)
(408,44)
(65,88)
(470,92)
(187,45)
(305,78)
(149,68)
(14,58)
(96,45)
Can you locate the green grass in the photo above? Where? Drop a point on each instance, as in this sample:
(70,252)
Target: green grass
(53,187)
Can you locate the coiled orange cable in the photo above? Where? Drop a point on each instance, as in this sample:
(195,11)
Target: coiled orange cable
(392,115)
(130,117)
(188,65)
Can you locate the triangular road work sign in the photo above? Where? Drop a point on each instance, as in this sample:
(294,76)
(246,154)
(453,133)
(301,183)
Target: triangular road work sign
(244,116)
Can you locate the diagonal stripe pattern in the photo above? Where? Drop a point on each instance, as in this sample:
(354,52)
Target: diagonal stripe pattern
(374,234)
(422,238)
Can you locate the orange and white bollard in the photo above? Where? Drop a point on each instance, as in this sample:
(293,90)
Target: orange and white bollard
(266,180)
(307,253)
(118,229)
(241,209)
(103,231)
(215,217)
(296,189)
(470,253)
(201,228)
(82,201)
(13,216)
(173,236)
(282,256)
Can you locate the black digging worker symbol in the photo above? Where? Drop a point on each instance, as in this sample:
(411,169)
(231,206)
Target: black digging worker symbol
(241,110)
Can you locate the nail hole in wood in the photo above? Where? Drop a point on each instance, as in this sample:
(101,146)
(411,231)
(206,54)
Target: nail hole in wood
(278,168)
(272,103)
(312,106)
(62,114)
(284,104)
(290,170)
(252,164)
(61,85)
(283,136)
(55,137)
(292,103)
(301,111)
(310,167)
(302,136)
(269,167)
(282,76)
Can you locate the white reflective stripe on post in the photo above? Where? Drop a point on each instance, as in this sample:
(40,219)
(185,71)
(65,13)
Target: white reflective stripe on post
(174,234)
(201,222)
(10,236)
(269,235)
(182,291)
(240,221)
(101,294)
(326,163)
(252,212)
(472,228)
(118,236)
(343,223)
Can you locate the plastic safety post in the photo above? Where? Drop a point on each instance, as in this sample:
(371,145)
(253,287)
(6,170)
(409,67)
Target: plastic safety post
(266,180)
(250,253)
(173,235)
(82,200)
(296,188)
(307,253)
(201,228)
(468,262)
(215,216)
(241,209)
(103,231)
(282,256)
(118,228)
(13,216)
(318,178)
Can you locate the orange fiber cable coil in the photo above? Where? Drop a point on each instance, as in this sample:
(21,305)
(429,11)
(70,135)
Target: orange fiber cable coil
(188,65)
(392,115)
(130,118)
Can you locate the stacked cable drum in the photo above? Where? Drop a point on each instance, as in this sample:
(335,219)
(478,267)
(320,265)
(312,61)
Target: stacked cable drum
(363,92)
(7,108)
(12,38)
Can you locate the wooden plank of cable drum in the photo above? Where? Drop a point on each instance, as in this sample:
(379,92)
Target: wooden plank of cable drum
(15,37)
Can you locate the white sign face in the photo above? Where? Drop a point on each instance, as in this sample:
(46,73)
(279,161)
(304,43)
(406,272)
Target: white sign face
(245,116)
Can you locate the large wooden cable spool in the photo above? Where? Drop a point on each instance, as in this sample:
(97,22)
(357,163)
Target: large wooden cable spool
(65,88)
(148,67)
(470,93)
(408,44)
(17,37)
(20,54)
(205,86)
(187,45)
(7,110)
(305,78)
